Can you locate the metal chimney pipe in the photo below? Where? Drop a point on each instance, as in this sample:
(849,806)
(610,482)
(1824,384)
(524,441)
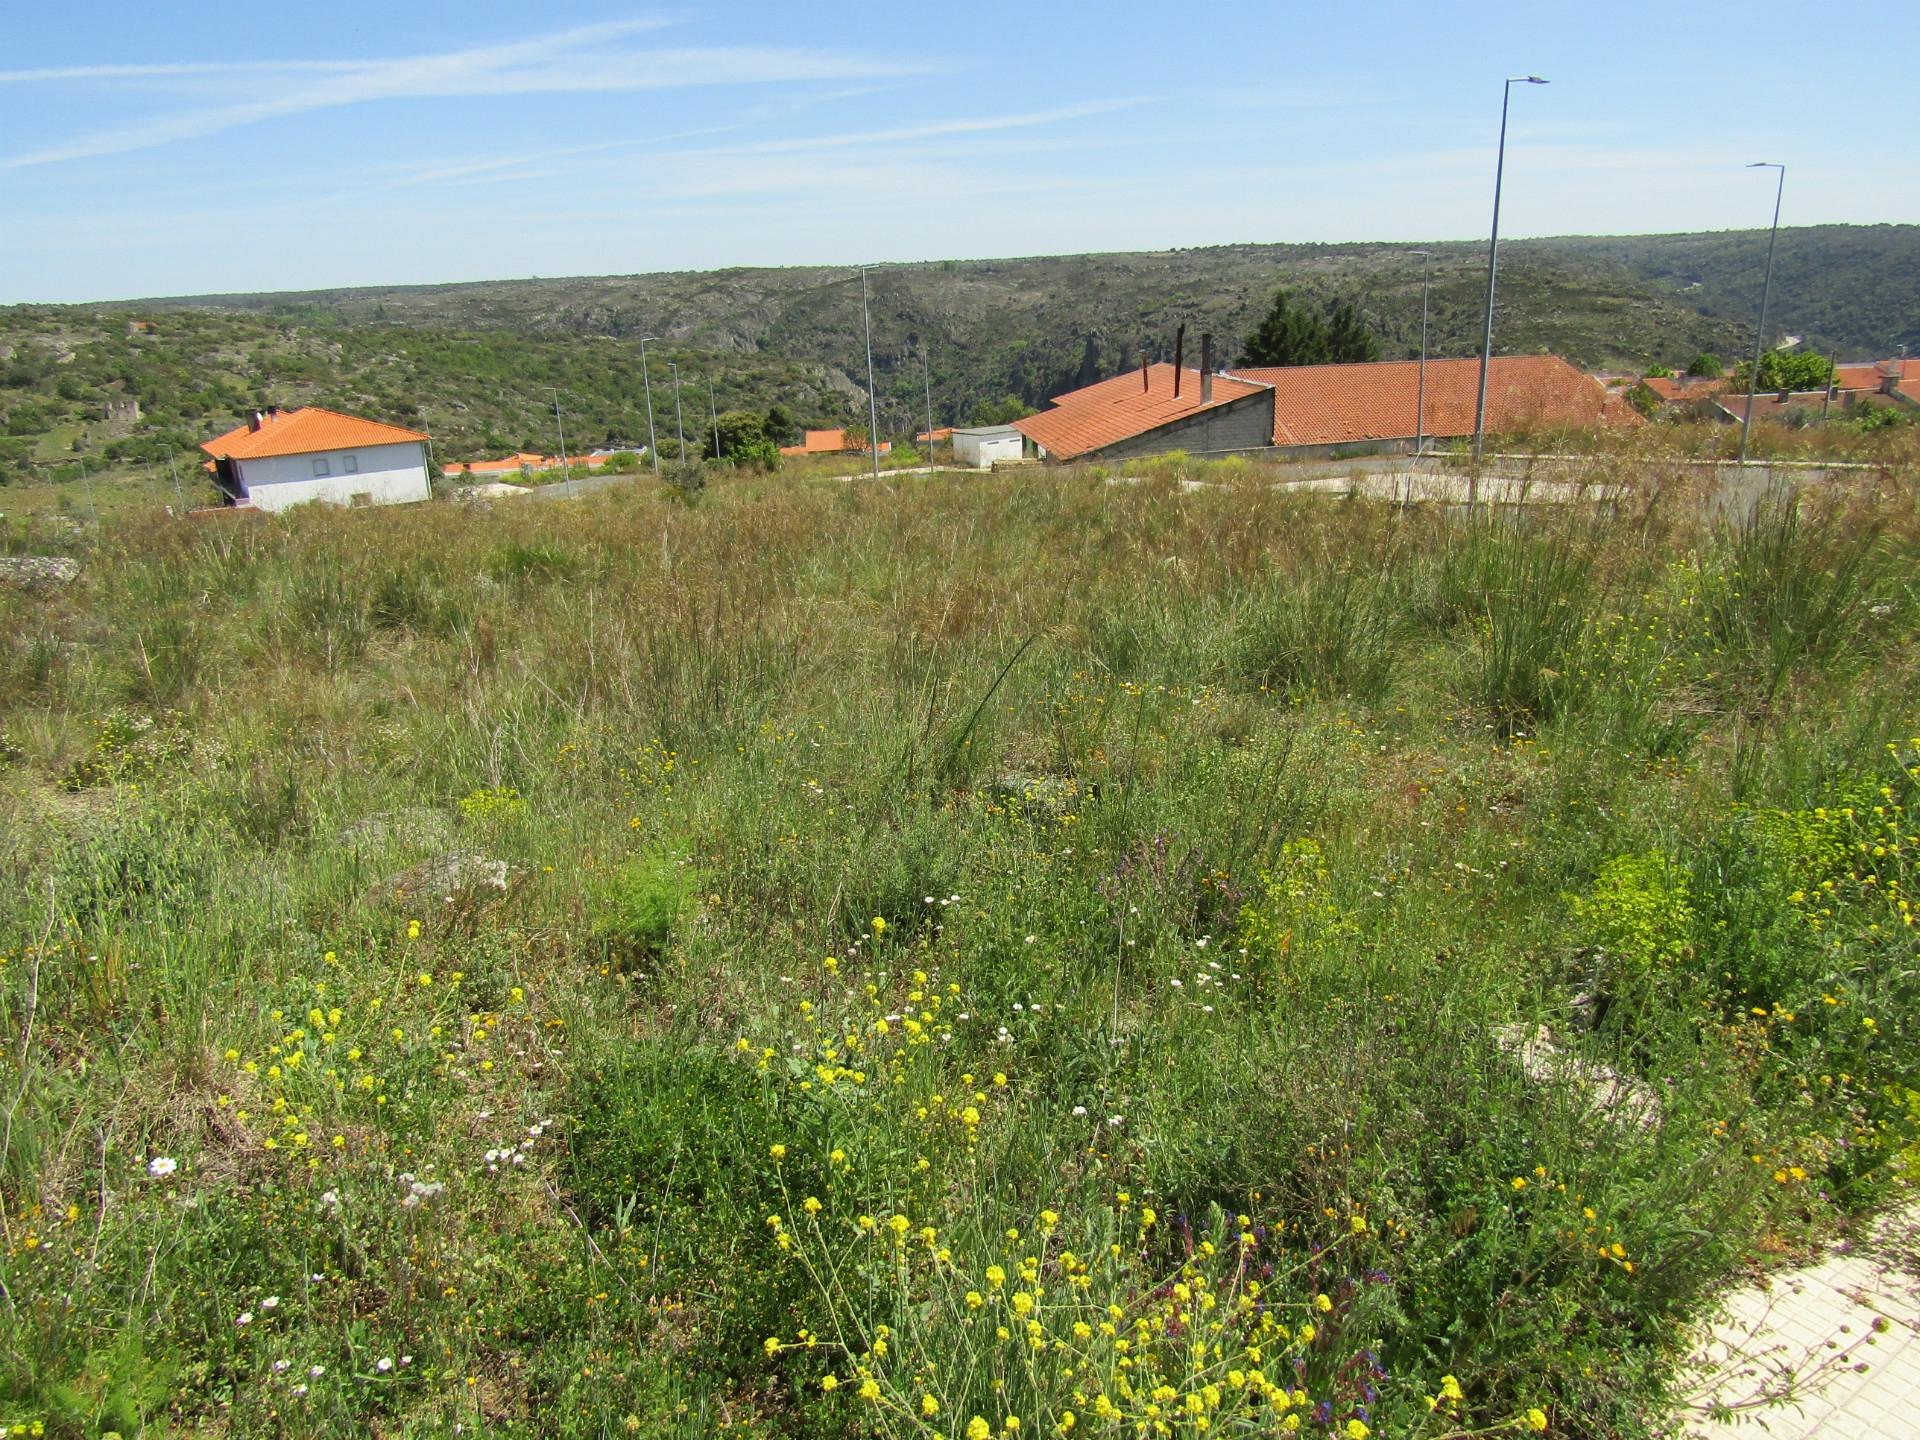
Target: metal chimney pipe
(1179,357)
(1206,367)
(1145,383)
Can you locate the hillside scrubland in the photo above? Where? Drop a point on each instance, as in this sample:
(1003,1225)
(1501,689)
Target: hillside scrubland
(472,364)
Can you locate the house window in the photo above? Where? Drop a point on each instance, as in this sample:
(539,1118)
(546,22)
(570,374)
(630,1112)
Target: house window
(320,467)
(349,464)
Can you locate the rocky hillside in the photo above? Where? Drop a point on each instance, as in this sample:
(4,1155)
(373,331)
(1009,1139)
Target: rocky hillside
(471,363)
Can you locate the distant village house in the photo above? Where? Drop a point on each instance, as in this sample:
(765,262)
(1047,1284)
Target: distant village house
(984,446)
(281,458)
(1306,411)
(1866,382)
(831,442)
(525,463)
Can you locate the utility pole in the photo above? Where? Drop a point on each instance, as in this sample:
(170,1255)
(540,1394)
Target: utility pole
(1766,294)
(926,371)
(179,498)
(653,448)
(86,479)
(566,471)
(873,405)
(1833,379)
(679,426)
(1420,404)
(1493,268)
(713,411)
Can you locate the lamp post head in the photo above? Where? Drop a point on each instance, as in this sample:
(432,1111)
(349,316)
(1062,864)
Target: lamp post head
(1766,165)
(1527,80)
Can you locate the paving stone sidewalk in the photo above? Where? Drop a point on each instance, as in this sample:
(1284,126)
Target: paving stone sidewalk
(1829,1352)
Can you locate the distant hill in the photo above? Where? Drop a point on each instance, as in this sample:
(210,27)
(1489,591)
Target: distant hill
(470,362)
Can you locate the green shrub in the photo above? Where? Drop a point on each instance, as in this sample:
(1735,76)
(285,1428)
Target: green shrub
(670,1147)
(130,747)
(544,560)
(1640,913)
(634,908)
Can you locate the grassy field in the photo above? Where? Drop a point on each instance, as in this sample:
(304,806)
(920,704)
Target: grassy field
(977,956)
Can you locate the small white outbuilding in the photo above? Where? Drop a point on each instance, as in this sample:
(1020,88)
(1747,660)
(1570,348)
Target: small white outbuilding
(984,445)
(281,458)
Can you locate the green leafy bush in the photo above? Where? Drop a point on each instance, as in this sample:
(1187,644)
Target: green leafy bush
(1640,913)
(634,908)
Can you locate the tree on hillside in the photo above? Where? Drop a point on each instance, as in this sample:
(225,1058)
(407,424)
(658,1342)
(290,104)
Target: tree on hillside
(1291,334)
(1786,370)
(1349,341)
(780,427)
(1657,371)
(1004,411)
(1706,365)
(1288,334)
(743,440)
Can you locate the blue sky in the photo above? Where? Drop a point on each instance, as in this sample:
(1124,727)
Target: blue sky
(180,147)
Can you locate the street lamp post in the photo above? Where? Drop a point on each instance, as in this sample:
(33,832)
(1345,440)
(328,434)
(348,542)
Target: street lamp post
(873,405)
(713,413)
(926,371)
(679,427)
(1493,266)
(1420,404)
(1766,294)
(653,447)
(566,471)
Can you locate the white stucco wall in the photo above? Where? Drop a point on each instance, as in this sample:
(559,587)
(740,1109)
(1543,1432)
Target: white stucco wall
(387,475)
(984,450)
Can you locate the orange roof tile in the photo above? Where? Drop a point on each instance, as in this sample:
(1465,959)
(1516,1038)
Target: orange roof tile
(1349,404)
(525,460)
(1113,410)
(1676,389)
(938,433)
(522,460)
(303,431)
(1870,375)
(1768,405)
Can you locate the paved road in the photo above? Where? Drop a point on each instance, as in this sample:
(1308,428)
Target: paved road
(1511,479)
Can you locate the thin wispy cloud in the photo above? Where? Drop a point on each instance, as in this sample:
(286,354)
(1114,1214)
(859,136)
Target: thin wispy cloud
(645,158)
(584,59)
(185,70)
(935,130)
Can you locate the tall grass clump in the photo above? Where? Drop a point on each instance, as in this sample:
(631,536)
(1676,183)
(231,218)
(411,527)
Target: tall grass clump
(1797,583)
(1526,596)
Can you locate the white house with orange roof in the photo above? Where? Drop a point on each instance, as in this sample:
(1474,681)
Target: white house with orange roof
(281,458)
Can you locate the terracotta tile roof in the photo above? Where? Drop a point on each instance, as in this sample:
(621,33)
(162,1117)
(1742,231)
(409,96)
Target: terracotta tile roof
(1769,406)
(523,460)
(1868,376)
(1349,404)
(511,464)
(1118,409)
(1677,389)
(938,433)
(304,431)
